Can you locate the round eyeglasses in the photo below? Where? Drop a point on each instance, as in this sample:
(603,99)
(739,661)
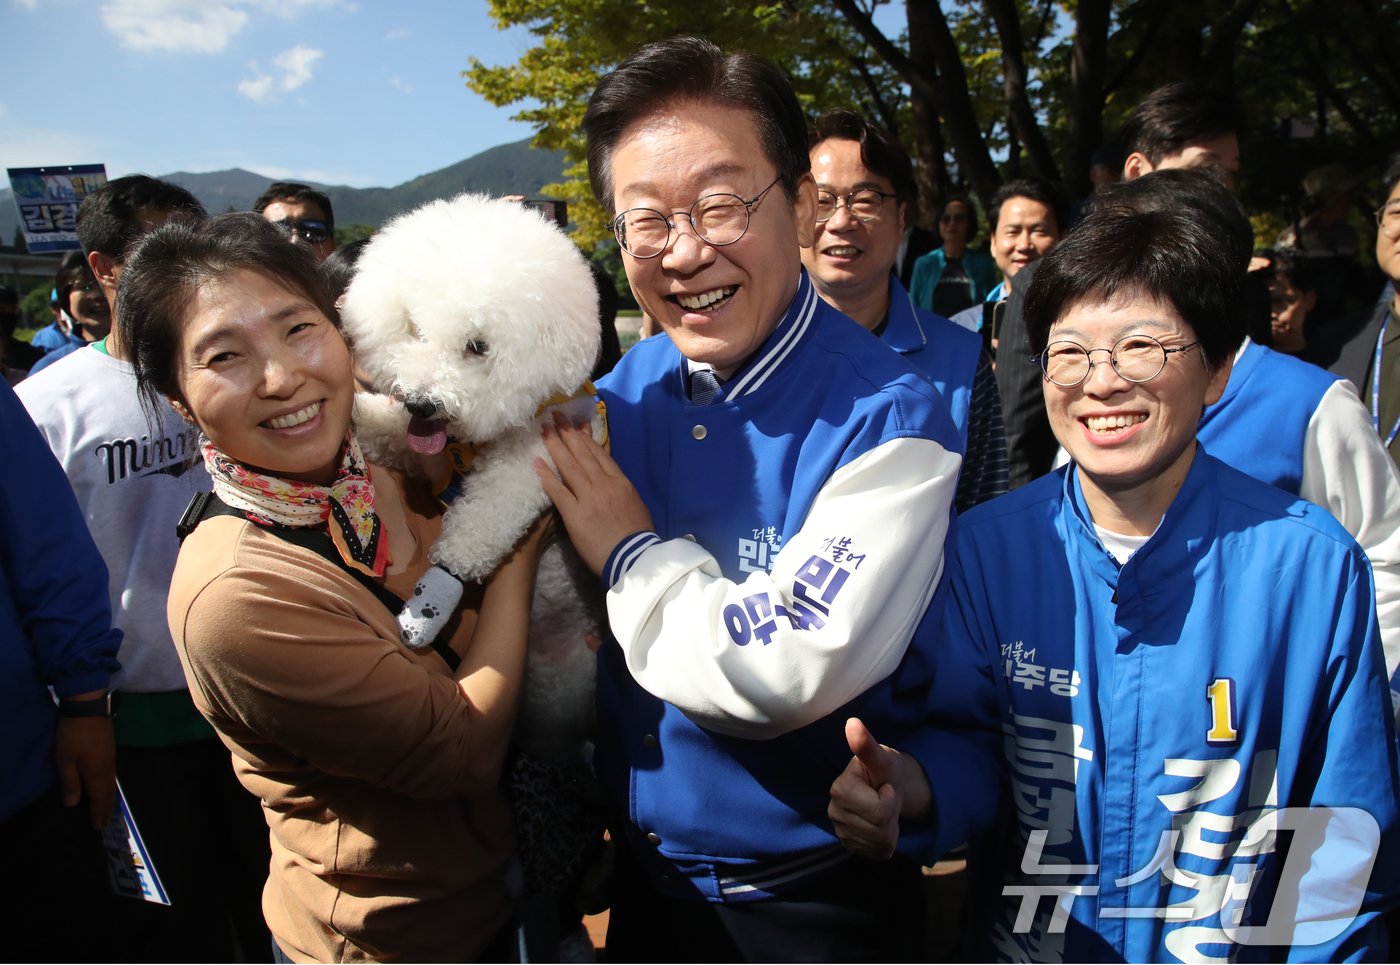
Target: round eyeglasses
(863,205)
(718,220)
(1136,358)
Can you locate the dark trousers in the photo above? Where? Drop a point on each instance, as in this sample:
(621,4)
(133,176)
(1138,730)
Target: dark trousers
(861,911)
(208,842)
(58,907)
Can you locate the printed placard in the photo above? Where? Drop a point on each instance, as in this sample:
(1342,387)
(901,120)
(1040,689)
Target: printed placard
(47,200)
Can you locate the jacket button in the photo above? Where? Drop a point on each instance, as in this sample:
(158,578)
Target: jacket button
(649,741)
(698,432)
(689,536)
(653,838)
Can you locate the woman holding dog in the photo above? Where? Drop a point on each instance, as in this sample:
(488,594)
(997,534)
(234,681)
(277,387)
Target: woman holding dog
(377,766)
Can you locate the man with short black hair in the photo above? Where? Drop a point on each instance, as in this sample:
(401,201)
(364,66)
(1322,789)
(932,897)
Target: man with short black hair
(1027,216)
(1182,125)
(865,192)
(304,213)
(1367,349)
(784,539)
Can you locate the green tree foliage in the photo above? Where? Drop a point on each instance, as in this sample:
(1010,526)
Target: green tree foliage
(607,257)
(981,90)
(35,305)
(350,233)
(579,40)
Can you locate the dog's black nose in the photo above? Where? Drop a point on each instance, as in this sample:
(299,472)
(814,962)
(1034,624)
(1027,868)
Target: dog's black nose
(422,407)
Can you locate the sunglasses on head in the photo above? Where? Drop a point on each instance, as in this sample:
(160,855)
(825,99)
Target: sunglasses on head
(312,232)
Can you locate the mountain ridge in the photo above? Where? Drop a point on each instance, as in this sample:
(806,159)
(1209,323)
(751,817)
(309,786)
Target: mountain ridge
(514,168)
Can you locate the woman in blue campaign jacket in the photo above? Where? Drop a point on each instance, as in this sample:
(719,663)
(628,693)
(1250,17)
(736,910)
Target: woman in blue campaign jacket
(1156,669)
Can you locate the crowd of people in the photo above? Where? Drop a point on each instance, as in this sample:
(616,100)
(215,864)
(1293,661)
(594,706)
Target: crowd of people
(1077,556)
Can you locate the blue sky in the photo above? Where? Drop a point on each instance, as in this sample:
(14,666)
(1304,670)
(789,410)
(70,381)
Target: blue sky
(357,92)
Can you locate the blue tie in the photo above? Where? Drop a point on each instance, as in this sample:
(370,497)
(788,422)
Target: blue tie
(704,386)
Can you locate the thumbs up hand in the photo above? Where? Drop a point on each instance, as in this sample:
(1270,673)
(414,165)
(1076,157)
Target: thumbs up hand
(877,788)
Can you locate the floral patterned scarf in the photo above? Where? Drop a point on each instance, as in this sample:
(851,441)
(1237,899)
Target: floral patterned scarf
(348,503)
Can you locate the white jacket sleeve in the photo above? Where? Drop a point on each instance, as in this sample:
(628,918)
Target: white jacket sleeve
(1347,471)
(782,649)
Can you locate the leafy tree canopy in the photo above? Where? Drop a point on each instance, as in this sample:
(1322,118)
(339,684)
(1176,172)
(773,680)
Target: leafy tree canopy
(982,90)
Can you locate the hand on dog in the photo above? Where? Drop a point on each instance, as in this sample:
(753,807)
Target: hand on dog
(598,504)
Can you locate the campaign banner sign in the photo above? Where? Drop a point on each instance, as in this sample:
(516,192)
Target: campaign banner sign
(48,199)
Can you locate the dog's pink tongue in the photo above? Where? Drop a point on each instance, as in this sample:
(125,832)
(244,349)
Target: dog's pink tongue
(427,437)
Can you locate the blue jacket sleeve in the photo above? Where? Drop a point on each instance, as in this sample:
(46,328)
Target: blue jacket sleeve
(55,583)
(959,744)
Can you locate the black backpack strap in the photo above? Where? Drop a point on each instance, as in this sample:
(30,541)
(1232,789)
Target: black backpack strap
(201,507)
(205,505)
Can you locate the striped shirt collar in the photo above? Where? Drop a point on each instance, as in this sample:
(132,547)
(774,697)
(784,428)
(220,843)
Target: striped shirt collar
(784,339)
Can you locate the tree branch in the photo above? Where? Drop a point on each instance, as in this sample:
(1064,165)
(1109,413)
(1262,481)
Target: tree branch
(1354,120)
(1224,37)
(1087,68)
(1019,112)
(1156,16)
(915,75)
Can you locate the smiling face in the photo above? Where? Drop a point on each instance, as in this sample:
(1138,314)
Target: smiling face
(852,257)
(1026,230)
(87,305)
(1132,442)
(266,377)
(717,304)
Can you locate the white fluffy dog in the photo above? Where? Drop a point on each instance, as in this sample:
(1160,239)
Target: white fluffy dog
(474,317)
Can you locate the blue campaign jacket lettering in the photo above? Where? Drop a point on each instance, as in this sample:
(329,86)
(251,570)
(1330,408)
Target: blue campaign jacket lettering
(1249,428)
(1229,669)
(741,818)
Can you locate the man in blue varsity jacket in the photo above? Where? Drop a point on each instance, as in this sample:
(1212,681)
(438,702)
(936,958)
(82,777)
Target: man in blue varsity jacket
(1168,673)
(785,536)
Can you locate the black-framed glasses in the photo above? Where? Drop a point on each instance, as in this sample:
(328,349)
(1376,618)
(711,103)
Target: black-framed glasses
(1388,218)
(718,220)
(312,232)
(1136,358)
(863,204)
